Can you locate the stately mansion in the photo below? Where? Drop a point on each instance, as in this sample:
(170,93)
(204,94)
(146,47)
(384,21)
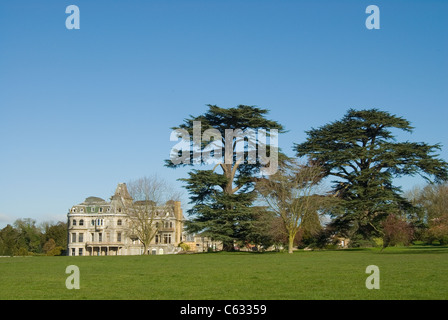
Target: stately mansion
(99,227)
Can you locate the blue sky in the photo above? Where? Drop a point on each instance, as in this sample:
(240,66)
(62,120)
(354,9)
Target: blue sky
(82,110)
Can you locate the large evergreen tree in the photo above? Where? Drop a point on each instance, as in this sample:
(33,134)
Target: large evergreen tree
(360,150)
(222,196)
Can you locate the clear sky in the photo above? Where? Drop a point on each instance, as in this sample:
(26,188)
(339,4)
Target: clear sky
(82,110)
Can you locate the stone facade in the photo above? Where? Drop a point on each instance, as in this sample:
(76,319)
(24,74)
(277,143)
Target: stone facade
(97,227)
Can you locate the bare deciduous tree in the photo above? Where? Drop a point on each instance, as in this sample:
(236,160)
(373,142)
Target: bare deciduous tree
(144,215)
(293,194)
(433,202)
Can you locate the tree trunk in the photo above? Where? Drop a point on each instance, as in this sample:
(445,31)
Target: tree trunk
(291,242)
(228,246)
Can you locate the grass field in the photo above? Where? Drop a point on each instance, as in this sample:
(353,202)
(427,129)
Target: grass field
(405,273)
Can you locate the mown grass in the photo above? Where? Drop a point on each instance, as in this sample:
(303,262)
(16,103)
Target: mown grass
(405,273)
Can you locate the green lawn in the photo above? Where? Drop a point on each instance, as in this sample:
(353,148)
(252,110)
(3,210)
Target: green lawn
(405,273)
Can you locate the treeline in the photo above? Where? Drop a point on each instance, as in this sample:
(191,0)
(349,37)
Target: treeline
(24,237)
(426,223)
(430,220)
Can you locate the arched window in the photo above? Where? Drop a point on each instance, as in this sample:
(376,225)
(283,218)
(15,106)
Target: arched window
(119,223)
(81,222)
(74,222)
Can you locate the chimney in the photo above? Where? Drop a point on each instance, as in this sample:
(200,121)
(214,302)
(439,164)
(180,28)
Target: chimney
(180,223)
(177,210)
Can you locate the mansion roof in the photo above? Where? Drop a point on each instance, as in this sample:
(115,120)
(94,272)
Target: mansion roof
(93,200)
(122,200)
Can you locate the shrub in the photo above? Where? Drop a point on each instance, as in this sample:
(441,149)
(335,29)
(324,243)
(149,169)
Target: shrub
(21,252)
(184,246)
(56,251)
(396,231)
(438,230)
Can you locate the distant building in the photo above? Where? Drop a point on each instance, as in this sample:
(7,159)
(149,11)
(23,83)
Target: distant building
(98,228)
(200,243)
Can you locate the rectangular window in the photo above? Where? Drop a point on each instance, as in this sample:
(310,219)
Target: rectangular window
(100,237)
(119,237)
(167,238)
(73,237)
(73,251)
(81,237)
(80,251)
(93,237)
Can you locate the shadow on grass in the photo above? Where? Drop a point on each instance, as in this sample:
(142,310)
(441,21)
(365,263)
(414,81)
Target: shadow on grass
(413,249)
(416,249)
